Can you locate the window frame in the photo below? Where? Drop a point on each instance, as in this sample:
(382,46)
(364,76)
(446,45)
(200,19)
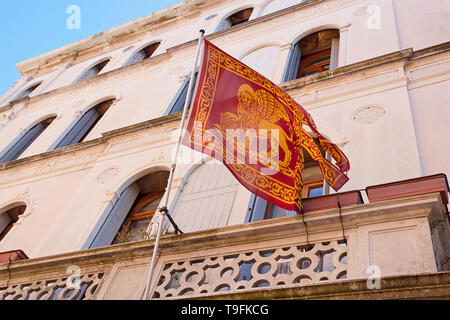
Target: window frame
(13,221)
(25,135)
(227,24)
(21,95)
(83,77)
(130,61)
(305,63)
(133,215)
(77,125)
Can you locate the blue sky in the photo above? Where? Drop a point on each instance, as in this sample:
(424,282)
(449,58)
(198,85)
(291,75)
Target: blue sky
(31,27)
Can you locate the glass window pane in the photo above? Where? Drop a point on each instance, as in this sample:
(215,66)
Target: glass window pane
(152,205)
(315,192)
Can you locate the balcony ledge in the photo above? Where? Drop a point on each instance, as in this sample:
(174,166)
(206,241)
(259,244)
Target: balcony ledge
(103,268)
(417,286)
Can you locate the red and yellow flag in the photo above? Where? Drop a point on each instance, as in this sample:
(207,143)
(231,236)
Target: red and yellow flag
(257,130)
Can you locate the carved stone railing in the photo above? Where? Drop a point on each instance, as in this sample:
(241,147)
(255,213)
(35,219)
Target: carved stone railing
(82,287)
(266,259)
(238,271)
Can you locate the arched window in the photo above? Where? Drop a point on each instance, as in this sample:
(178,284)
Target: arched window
(85,124)
(207,199)
(26,93)
(313,54)
(143,54)
(15,149)
(130,216)
(235,19)
(94,71)
(177,103)
(313,186)
(263,60)
(8,218)
(276,5)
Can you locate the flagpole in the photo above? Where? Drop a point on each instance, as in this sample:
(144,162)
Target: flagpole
(163,210)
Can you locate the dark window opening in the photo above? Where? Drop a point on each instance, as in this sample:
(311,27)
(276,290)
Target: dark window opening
(19,146)
(240,17)
(143,54)
(151,189)
(313,186)
(316,52)
(179,100)
(9,218)
(26,93)
(236,19)
(139,217)
(85,124)
(94,71)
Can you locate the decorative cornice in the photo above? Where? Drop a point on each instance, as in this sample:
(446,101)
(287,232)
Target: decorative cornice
(405,55)
(114,36)
(266,230)
(93,143)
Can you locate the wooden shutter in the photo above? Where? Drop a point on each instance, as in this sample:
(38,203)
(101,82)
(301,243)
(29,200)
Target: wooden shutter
(293,62)
(19,146)
(207,199)
(5,220)
(94,71)
(224,25)
(111,221)
(89,74)
(256,210)
(79,130)
(25,93)
(138,56)
(178,101)
(263,60)
(334,58)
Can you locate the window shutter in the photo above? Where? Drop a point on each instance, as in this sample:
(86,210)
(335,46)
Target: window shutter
(334,58)
(224,25)
(138,56)
(5,219)
(80,128)
(177,103)
(19,146)
(256,209)
(207,199)
(108,226)
(293,61)
(88,74)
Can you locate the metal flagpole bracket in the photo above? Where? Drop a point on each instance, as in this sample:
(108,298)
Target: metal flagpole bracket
(164,211)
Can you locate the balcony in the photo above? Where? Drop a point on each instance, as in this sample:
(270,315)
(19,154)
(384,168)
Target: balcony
(402,242)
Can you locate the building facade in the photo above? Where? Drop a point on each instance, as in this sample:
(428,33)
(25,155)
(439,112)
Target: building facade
(88,136)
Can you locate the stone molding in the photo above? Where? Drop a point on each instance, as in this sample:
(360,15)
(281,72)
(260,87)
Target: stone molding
(115,262)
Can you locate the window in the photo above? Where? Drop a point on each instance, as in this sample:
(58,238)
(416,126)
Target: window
(315,53)
(9,218)
(137,221)
(210,192)
(127,220)
(313,186)
(94,71)
(15,150)
(85,124)
(263,60)
(235,19)
(178,101)
(26,93)
(143,54)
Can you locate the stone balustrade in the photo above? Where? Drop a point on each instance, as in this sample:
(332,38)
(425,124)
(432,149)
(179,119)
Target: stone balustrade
(400,238)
